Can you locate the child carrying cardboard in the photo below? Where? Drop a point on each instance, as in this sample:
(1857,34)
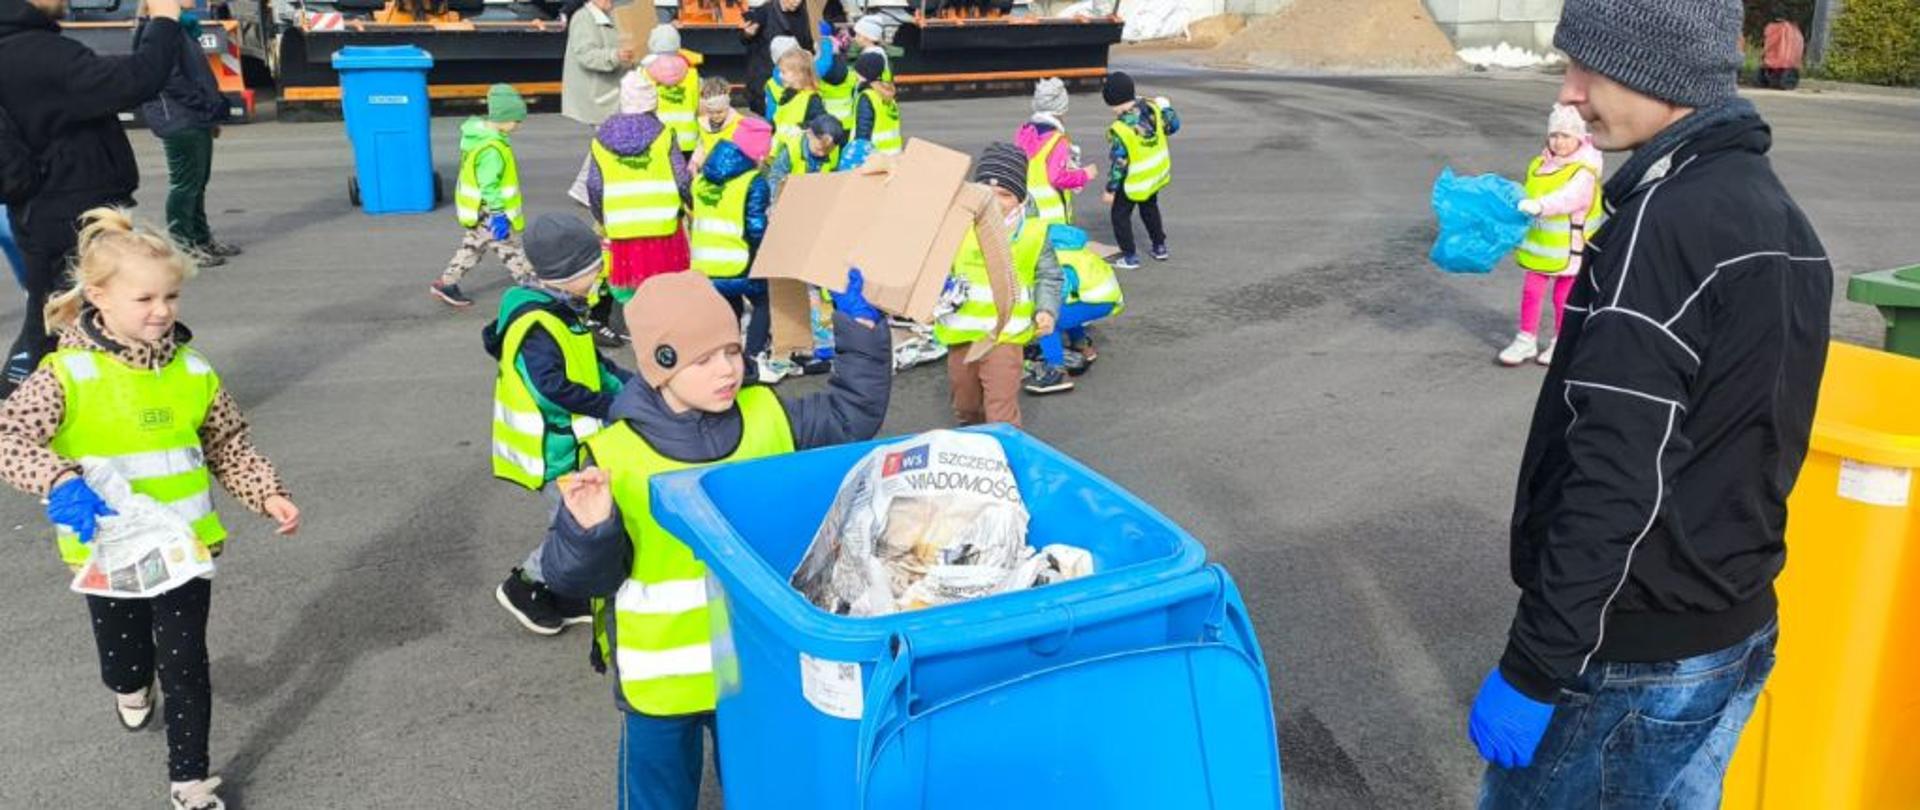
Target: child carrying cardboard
(693,409)
(551,391)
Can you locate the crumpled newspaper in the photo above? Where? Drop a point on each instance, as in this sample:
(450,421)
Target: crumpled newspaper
(928,521)
(144,550)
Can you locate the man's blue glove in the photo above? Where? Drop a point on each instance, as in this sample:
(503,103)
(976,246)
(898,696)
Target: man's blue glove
(854,301)
(501,227)
(1505,725)
(76,506)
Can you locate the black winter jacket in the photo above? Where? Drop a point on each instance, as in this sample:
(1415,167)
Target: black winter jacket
(1649,522)
(66,99)
(191,99)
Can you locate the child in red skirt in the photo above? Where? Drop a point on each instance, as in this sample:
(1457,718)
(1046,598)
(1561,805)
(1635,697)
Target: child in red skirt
(638,187)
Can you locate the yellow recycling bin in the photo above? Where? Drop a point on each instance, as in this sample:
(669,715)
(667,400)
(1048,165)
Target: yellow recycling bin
(1838,726)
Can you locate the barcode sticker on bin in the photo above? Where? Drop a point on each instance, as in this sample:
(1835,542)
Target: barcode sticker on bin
(833,687)
(1874,484)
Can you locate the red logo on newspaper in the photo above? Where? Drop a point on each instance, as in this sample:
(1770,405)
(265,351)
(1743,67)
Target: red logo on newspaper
(896,463)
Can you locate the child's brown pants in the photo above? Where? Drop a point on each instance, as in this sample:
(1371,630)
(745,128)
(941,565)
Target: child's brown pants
(987,391)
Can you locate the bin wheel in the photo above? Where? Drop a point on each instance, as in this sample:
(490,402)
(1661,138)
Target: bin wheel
(353,190)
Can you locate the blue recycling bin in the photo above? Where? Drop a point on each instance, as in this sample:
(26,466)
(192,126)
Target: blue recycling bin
(1141,687)
(383,94)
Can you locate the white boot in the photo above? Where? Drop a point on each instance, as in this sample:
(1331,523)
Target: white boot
(197,795)
(1523,348)
(134,709)
(1546,354)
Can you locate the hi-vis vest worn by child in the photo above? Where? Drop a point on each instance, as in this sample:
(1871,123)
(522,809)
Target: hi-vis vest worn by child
(145,424)
(679,104)
(1548,247)
(710,137)
(467,200)
(639,198)
(798,155)
(534,440)
(1149,161)
(838,98)
(1055,206)
(719,236)
(975,316)
(886,123)
(791,115)
(1097,283)
(658,640)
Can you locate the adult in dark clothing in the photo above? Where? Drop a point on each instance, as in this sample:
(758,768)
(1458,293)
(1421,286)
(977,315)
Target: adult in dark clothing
(764,22)
(1649,523)
(66,100)
(186,117)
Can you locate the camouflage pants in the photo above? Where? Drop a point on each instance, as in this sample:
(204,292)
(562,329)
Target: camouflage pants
(476,241)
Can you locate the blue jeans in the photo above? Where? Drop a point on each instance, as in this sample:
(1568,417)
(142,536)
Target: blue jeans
(661,759)
(741,293)
(1074,318)
(11,250)
(1655,735)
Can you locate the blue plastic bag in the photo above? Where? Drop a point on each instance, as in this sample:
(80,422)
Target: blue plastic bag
(1480,221)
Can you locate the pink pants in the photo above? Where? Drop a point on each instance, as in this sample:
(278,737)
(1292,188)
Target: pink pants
(1535,290)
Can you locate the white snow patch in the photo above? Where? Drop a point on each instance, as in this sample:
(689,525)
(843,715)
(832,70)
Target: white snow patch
(1504,55)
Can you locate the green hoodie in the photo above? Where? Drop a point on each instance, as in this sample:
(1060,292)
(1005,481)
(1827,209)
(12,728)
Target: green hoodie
(489,167)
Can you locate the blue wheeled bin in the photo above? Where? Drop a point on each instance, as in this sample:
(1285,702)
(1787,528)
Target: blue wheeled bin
(383,95)
(1141,687)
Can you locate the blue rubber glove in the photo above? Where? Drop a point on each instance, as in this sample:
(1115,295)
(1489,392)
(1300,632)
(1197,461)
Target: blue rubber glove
(501,226)
(854,301)
(1505,725)
(76,506)
(826,29)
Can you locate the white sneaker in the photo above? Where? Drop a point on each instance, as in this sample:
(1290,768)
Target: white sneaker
(770,371)
(1546,354)
(134,709)
(196,795)
(1523,348)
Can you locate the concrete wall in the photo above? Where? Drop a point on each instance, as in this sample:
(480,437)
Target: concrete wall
(1522,23)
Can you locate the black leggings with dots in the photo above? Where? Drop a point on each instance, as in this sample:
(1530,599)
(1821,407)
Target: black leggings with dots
(167,633)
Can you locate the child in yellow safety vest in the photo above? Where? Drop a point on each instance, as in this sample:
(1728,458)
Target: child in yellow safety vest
(717,121)
(678,82)
(637,189)
(985,381)
(1090,292)
(123,360)
(551,391)
(1054,173)
(797,98)
(486,195)
(696,408)
(1563,197)
(1139,167)
(731,200)
(877,112)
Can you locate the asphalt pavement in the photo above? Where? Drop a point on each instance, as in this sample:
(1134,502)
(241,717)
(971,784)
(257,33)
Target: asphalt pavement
(1297,387)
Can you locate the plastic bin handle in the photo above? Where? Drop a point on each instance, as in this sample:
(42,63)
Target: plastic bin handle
(887,700)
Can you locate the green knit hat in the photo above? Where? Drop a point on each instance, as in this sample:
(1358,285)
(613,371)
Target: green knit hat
(504,104)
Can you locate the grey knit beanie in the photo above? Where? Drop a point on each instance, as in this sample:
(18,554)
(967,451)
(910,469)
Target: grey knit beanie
(1004,165)
(562,248)
(1050,96)
(1684,52)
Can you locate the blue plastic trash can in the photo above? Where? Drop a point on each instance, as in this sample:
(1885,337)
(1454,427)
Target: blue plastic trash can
(383,94)
(1141,687)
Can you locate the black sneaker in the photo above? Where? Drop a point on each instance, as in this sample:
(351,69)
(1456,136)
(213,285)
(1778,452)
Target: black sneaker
(607,337)
(571,610)
(450,294)
(1048,380)
(1075,363)
(810,364)
(531,604)
(1161,254)
(218,248)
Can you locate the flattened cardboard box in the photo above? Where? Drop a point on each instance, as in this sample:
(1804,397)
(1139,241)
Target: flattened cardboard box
(898,221)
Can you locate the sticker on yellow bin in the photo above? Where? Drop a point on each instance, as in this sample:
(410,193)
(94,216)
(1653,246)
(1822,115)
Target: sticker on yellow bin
(1874,484)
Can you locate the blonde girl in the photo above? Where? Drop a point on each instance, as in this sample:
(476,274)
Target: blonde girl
(124,387)
(798,101)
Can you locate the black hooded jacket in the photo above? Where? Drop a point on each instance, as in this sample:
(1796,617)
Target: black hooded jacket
(1650,518)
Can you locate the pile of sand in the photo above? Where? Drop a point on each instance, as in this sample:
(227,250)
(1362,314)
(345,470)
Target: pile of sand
(1363,35)
(1211,31)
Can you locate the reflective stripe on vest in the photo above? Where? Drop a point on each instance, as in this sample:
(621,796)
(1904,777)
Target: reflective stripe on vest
(467,200)
(975,316)
(677,108)
(838,99)
(658,640)
(1548,247)
(887,139)
(535,441)
(1149,161)
(145,425)
(1098,284)
(1052,206)
(719,235)
(790,117)
(639,197)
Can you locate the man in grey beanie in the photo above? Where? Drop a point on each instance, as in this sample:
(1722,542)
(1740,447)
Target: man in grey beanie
(1648,524)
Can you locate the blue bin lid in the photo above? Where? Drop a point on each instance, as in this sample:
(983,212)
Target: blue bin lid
(381,57)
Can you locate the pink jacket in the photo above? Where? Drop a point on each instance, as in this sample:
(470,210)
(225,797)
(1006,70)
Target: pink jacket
(1576,197)
(1033,135)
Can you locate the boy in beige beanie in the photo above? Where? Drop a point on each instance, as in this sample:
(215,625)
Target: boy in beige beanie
(692,411)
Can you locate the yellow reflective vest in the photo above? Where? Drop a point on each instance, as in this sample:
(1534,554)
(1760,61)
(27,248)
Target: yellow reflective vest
(654,632)
(145,424)
(887,139)
(1548,247)
(1053,206)
(1097,282)
(838,98)
(710,137)
(639,197)
(679,104)
(790,116)
(467,201)
(1149,160)
(718,238)
(976,316)
(535,441)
